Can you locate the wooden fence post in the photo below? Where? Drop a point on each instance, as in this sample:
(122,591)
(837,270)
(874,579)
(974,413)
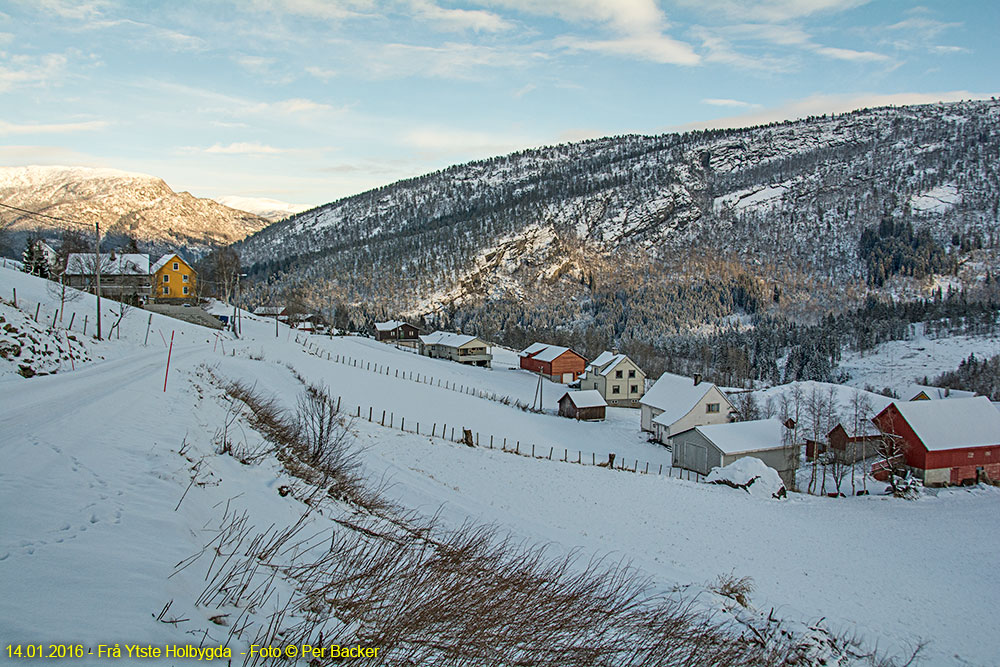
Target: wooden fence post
(169,352)
(85,324)
(369,413)
(37,306)
(550,452)
(383,418)
(402,423)
(71,318)
(532,450)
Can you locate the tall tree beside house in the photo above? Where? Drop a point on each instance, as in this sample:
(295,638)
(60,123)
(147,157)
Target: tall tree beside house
(34,258)
(219,271)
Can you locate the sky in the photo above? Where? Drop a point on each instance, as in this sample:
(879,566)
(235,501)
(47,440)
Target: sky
(308,101)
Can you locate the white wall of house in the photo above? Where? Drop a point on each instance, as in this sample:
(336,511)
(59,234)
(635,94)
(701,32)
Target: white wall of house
(713,408)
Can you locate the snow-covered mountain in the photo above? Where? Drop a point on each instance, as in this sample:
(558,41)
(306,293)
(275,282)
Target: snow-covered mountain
(269,209)
(783,205)
(137,205)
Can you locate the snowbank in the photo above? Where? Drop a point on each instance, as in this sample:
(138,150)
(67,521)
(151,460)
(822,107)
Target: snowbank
(751,474)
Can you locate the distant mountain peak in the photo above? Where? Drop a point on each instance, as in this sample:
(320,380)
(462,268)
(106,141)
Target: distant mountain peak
(138,205)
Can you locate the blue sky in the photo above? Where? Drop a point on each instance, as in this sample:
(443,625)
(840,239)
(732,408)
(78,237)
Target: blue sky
(307,101)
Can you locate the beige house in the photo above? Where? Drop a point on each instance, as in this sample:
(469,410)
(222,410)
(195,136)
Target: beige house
(456,347)
(705,447)
(617,378)
(676,403)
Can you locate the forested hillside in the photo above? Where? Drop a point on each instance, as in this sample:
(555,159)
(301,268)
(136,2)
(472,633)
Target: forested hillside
(640,239)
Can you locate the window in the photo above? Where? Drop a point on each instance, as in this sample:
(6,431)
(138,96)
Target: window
(634,388)
(166,278)
(185,289)
(712,407)
(166,290)
(176,266)
(615,389)
(971,455)
(618,375)
(631,374)
(185,277)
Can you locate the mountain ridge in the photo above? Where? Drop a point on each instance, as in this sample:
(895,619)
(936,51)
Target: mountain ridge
(141,206)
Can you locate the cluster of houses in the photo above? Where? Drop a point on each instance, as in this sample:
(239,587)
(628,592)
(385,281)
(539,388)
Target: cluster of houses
(942,436)
(131,277)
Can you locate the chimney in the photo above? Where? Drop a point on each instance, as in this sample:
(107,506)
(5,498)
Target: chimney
(697,379)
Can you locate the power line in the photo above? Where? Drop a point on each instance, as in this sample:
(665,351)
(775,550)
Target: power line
(45,215)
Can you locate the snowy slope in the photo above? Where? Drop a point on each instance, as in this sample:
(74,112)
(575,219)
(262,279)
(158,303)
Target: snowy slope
(109,482)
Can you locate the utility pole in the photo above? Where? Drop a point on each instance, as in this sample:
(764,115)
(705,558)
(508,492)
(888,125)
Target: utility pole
(97,263)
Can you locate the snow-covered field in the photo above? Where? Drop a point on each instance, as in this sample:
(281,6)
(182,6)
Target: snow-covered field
(108,482)
(898,364)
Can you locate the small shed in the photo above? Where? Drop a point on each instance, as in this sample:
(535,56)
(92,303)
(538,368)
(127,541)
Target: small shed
(396,330)
(587,405)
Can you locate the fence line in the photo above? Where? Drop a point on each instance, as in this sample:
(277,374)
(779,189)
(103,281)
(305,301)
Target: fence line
(470,438)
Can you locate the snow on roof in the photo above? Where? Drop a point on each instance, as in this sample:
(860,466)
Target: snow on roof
(933,393)
(675,395)
(268,310)
(605,362)
(953,424)
(534,348)
(544,352)
(751,436)
(447,338)
(124,264)
(388,325)
(588,398)
(161,262)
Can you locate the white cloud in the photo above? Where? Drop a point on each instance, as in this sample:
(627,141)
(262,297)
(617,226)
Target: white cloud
(434,141)
(774,11)
(817,105)
(459,19)
(722,102)
(321,73)
(20,70)
(651,46)
(334,10)
(77,10)
(245,148)
(521,92)
(51,128)
(850,54)
(639,25)
(449,61)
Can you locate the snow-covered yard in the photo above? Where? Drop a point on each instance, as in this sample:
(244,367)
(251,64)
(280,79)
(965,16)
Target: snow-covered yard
(109,482)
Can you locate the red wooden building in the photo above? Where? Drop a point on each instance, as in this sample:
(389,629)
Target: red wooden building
(947,442)
(559,364)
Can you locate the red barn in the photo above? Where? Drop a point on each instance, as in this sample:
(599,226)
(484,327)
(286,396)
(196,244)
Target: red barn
(947,442)
(559,364)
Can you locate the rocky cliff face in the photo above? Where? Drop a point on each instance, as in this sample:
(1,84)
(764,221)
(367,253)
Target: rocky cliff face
(136,205)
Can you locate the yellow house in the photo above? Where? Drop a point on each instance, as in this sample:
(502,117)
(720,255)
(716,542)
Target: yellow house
(173,278)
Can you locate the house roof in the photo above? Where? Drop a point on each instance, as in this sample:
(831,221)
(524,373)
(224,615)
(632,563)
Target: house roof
(675,395)
(447,338)
(740,437)
(112,264)
(388,325)
(268,310)
(605,362)
(161,262)
(588,398)
(865,429)
(934,393)
(952,424)
(545,352)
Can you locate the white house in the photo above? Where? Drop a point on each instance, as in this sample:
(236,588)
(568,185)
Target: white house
(618,379)
(676,403)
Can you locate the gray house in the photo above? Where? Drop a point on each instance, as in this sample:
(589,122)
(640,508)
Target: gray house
(705,447)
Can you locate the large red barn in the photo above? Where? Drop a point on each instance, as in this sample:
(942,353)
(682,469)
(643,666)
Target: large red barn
(946,442)
(559,364)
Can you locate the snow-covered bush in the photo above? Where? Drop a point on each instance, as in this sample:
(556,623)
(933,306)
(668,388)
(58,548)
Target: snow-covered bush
(750,474)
